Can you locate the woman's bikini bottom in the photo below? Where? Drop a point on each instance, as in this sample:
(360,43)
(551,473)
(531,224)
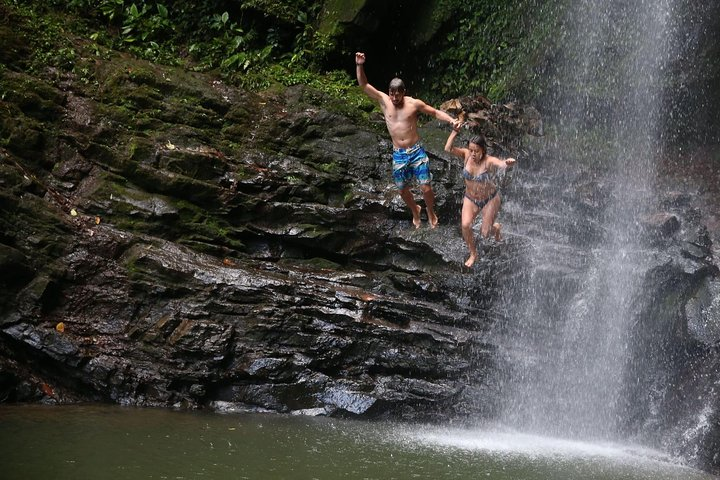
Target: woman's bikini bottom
(481,203)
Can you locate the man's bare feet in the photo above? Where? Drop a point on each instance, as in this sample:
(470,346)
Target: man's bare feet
(433,219)
(496,228)
(416,216)
(471,260)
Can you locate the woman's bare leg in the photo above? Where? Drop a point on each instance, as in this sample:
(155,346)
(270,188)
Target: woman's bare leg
(469,212)
(496,230)
(489,212)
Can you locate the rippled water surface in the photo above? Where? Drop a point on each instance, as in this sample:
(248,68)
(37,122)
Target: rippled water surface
(106,442)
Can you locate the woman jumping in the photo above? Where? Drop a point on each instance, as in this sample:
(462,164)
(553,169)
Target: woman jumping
(481,194)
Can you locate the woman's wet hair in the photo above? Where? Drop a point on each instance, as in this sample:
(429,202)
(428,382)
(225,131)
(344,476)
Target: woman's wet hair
(479,140)
(397,84)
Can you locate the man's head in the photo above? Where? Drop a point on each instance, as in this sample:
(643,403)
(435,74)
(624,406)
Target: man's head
(396,91)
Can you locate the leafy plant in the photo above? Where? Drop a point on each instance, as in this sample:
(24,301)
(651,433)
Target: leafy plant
(111,9)
(310,45)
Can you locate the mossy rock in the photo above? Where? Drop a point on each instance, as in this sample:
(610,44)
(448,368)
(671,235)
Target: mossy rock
(117,158)
(177,185)
(240,114)
(13,182)
(144,270)
(116,114)
(36,228)
(124,73)
(22,135)
(196,116)
(144,97)
(236,133)
(32,96)
(116,197)
(200,164)
(338,12)
(15,51)
(127,207)
(171,94)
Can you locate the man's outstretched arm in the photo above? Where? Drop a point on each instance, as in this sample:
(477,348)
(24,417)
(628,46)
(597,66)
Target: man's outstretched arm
(439,114)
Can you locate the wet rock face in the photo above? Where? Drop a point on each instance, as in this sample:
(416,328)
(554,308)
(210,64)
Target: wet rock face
(172,241)
(703,313)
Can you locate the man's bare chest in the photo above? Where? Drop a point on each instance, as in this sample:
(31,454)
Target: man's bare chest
(398,116)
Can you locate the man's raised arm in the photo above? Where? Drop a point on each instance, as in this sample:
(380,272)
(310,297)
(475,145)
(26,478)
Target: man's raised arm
(369,90)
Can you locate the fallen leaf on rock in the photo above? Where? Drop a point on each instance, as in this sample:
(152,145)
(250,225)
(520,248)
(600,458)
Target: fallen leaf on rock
(47,389)
(73,213)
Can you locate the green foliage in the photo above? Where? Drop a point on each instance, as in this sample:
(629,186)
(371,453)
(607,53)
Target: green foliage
(238,43)
(286,10)
(490,47)
(228,46)
(311,46)
(144,29)
(256,44)
(334,84)
(46,37)
(110,9)
(142,24)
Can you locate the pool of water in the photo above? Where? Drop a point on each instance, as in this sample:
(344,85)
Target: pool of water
(110,442)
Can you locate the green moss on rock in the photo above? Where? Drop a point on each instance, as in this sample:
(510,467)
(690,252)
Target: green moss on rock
(15,51)
(336,12)
(34,97)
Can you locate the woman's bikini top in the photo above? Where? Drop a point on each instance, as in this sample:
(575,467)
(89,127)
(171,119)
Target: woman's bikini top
(483,177)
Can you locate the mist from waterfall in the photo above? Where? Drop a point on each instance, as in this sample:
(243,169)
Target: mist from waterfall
(568,344)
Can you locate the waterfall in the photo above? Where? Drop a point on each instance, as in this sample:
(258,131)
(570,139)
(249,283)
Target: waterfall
(567,346)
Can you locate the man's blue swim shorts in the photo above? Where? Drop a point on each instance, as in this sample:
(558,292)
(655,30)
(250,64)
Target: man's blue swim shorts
(408,163)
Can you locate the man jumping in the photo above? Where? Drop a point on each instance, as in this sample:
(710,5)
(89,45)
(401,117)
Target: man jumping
(409,158)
